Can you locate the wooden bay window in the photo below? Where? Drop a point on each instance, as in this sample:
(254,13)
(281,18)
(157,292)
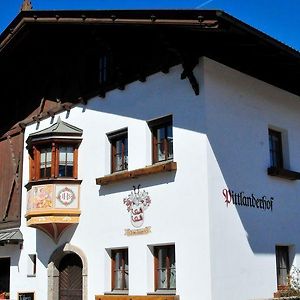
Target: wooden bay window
(53,152)
(54,160)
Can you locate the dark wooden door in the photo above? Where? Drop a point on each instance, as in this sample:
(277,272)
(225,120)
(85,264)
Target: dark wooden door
(70,278)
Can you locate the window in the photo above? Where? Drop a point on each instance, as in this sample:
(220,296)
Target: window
(31,265)
(275,145)
(119,269)
(282,265)
(165,268)
(54,151)
(4,275)
(119,150)
(26,296)
(162,139)
(55,160)
(45,162)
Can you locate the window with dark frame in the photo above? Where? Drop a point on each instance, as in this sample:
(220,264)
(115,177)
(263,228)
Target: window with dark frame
(58,159)
(4,274)
(45,162)
(282,266)
(165,267)
(275,146)
(31,270)
(119,150)
(119,269)
(162,139)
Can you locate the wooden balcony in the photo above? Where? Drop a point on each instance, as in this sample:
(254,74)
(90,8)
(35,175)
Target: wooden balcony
(53,206)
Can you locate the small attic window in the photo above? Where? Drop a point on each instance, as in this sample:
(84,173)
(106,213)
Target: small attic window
(54,152)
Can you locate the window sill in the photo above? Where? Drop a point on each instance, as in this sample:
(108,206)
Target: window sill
(283,173)
(63,180)
(163,292)
(117,292)
(167,166)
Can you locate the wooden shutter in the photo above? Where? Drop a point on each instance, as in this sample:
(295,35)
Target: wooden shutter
(11,155)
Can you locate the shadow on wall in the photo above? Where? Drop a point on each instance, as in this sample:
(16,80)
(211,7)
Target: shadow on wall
(45,246)
(268,207)
(153,180)
(240,151)
(162,91)
(14,251)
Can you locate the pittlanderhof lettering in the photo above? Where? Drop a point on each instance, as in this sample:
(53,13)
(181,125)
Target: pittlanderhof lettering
(242,199)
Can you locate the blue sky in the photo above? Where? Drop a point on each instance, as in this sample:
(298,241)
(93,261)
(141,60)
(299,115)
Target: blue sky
(279,19)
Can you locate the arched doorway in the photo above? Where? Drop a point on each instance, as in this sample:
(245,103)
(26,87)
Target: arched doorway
(65,262)
(70,277)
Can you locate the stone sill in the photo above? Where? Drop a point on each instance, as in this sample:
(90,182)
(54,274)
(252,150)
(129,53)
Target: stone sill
(167,166)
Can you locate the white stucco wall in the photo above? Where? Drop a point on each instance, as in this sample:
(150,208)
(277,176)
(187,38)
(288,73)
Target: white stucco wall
(239,111)
(174,214)
(220,141)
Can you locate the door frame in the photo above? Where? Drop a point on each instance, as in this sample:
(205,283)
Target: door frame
(53,271)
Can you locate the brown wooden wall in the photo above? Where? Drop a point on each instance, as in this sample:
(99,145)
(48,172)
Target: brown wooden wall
(11,153)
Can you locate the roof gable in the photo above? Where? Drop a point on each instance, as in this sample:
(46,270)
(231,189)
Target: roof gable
(55,55)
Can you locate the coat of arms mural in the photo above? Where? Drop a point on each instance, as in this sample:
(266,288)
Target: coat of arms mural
(137,202)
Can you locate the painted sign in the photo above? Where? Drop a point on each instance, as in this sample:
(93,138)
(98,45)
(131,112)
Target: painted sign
(138,231)
(241,199)
(137,202)
(66,196)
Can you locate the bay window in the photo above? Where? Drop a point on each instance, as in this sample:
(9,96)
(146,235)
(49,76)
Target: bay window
(53,152)
(57,160)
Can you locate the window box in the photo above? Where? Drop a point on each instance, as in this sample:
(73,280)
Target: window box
(167,166)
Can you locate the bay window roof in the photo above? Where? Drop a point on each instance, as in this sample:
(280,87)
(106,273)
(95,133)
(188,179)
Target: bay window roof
(59,130)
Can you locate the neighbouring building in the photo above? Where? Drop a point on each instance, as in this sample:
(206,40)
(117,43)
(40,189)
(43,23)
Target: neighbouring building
(147,155)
